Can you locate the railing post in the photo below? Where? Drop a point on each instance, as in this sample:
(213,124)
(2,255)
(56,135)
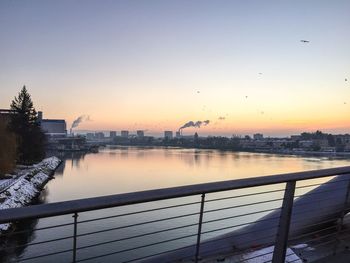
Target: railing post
(279,252)
(340,222)
(75,216)
(199,228)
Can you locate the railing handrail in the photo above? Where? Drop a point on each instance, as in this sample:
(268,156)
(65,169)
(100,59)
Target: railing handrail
(94,203)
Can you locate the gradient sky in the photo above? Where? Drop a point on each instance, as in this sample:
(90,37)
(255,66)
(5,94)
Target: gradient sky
(157,64)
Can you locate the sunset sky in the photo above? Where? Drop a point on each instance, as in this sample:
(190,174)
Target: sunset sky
(155,65)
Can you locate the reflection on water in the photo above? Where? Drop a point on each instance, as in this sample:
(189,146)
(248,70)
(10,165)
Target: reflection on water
(126,169)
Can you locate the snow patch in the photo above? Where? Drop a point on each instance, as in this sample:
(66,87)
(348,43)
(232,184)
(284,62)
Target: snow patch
(300,246)
(27,186)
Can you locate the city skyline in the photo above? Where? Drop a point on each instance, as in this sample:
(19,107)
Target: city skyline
(157,65)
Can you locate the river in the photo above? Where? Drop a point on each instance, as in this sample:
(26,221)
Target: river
(117,170)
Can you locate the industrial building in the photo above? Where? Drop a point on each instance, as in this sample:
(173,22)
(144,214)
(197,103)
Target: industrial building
(52,127)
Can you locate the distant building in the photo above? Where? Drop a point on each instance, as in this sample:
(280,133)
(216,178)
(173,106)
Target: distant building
(125,134)
(178,134)
(140,133)
(90,136)
(168,134)
(306,143)
(52,127)
(112,134)
(99,135)
(258,136)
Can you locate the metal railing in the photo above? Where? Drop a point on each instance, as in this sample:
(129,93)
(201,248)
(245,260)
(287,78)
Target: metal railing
(211,220)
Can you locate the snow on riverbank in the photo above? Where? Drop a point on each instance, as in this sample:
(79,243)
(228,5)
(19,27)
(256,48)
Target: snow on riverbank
(27,186)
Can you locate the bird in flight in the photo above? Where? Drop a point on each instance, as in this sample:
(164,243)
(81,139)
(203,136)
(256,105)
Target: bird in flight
(305,41)
(346,79)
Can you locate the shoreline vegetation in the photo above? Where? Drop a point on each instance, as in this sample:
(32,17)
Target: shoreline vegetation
(21,138)
(26,186)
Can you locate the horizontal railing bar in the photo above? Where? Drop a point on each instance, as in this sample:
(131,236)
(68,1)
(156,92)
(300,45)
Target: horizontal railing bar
(320,238)
(313,210)
(254,203)
(237,251)
(157,254)
(228,227)
(240,251)
(295,260)
(32,230)
(323,243)
(243,234)
(245,195)
(137,224)
(318,184)
(260,255)
(311,202)
(270,260)
(46,255)
(88,204)
(134,248)
(320,192)
(315,224)
(325,236)
(240,215)
(136,236)
(37,243)
(230,217)
(244,250)
(311,233)
(136,212)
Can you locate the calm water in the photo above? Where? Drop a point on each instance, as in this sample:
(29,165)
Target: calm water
(126,169)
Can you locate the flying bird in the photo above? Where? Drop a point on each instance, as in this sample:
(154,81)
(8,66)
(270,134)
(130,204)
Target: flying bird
(346,79)
(304,41)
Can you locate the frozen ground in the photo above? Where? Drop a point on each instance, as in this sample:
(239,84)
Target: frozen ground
(27,186)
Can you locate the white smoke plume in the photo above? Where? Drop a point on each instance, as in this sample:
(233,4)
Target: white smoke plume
(79,120)
(196,124)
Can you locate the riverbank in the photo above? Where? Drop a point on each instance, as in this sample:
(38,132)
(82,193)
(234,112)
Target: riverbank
(27,186)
